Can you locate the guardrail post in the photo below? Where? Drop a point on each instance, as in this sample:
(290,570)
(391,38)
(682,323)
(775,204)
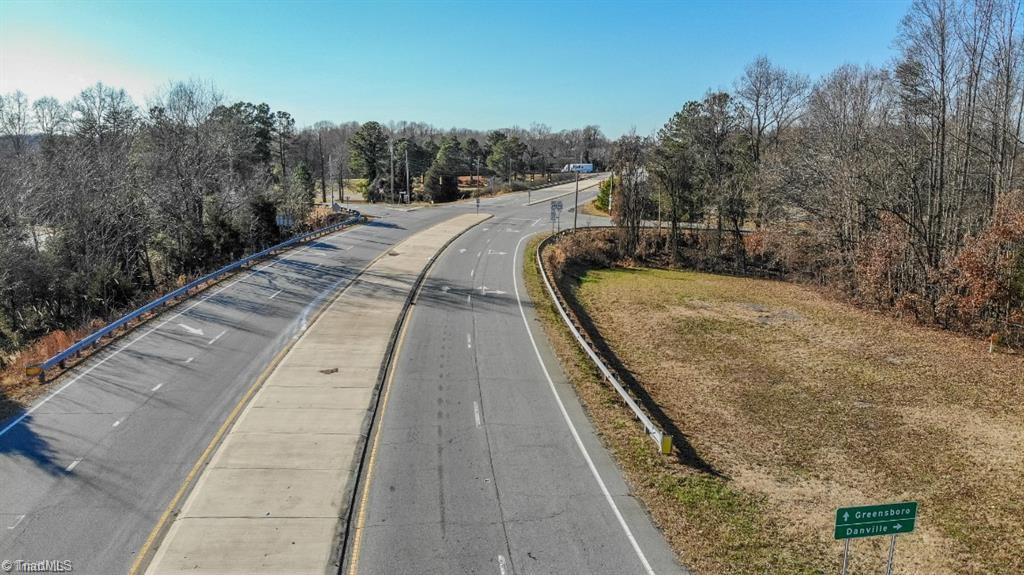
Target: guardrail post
(662,439)
(177,296)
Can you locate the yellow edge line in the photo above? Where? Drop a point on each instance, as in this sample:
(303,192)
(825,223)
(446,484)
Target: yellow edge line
(371,463)
(353,566)
(145,550)
(201,462)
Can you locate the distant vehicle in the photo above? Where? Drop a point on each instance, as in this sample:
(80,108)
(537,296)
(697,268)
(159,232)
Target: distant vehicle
(581,168)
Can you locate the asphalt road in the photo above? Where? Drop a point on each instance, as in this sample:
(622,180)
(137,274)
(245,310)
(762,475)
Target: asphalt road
(485,461)
(87,473)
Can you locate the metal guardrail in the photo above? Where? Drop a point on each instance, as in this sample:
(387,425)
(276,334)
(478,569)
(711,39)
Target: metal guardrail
(93,340)
(662,439)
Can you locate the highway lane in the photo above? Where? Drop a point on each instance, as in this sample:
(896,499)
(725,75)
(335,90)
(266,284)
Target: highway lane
(87,473)
(485,462)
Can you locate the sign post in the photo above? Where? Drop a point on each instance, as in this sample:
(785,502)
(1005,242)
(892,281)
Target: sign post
(556,211)
(890,519)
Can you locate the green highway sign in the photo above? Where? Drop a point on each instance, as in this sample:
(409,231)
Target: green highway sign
(875,520)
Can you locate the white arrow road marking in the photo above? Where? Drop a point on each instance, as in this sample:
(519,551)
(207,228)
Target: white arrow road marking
(191,330)
(157,386)
(472,272)
(116,423)
(189,360)
(476,413)
(494,253)
(16,522)
(484,291)
(212,341)
(469,341)
(462,250)
(501,565)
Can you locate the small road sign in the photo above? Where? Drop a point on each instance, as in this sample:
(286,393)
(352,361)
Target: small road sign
(875,520)
(556,209)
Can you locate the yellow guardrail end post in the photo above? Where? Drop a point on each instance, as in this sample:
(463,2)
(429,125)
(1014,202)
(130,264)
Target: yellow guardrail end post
(666,443)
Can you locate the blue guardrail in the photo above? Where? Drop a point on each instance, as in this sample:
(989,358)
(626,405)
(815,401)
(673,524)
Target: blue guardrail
(94,338)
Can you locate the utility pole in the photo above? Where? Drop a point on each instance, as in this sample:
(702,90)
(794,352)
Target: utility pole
(391,173)
(341,177)
(408,188)
(611,193)
(323,169)
(576,208)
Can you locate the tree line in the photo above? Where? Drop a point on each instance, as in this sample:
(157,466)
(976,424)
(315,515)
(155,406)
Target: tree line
(104,204)
(900,185)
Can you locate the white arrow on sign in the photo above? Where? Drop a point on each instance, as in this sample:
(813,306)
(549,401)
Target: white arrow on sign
(191,330)
(846,516)
(897,527)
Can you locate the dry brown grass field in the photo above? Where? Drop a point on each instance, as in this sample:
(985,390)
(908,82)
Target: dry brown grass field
(795,405)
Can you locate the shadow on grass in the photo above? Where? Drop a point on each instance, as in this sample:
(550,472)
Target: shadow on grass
(688,455)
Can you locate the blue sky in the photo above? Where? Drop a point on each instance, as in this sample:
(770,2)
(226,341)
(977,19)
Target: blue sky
(480,64)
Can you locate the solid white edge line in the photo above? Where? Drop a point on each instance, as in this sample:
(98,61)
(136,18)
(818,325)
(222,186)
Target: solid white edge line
(568,421)
(100,362)
(16,522)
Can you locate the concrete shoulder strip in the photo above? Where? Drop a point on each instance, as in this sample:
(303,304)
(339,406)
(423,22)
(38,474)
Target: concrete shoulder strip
(272,496)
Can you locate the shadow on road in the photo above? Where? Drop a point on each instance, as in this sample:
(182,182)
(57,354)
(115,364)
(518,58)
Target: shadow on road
(382,224)
(21,442)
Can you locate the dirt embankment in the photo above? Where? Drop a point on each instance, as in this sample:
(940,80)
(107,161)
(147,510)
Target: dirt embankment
(787,404)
